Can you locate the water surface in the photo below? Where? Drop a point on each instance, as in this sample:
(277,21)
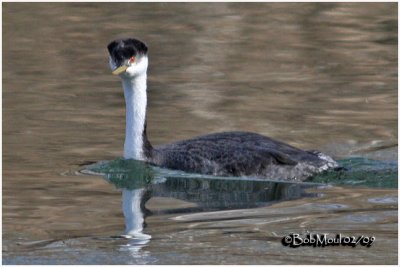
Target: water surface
(320,76)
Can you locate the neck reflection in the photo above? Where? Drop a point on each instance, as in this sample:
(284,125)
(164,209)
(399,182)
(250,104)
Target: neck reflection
(133,209)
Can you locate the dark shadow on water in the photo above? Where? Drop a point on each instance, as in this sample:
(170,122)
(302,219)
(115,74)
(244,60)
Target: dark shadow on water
(139,182)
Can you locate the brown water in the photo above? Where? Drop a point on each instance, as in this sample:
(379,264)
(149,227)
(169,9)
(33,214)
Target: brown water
(320,76)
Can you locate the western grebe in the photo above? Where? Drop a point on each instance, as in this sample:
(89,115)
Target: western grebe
(223,154)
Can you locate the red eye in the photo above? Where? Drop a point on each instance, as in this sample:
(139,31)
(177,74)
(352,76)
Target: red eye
(131,60)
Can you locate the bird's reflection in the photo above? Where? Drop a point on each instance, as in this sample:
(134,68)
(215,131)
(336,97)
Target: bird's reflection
(132,207)
(134,178)
(139,182)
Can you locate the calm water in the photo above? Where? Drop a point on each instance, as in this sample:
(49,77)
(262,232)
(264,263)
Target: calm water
(321,76)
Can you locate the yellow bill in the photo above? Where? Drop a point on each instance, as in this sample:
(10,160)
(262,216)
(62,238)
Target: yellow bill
(120,70)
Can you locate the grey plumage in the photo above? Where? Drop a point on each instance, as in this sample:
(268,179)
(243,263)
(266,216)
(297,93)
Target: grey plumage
(241,154)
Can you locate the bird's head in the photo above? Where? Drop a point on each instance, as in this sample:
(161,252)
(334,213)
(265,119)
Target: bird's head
(128,57)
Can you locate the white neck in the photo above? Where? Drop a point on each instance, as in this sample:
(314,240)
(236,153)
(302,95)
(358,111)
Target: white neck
(136,102)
